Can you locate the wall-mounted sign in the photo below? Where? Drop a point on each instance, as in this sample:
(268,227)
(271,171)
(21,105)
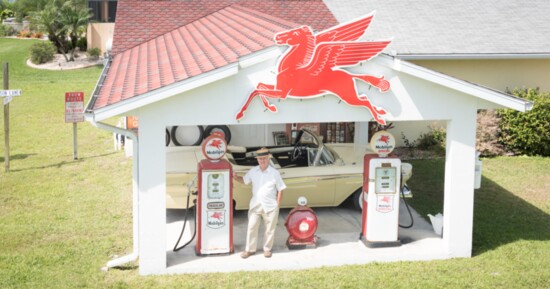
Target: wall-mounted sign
(74,106)
(214,146)
(382,143)
(132,122)
(312,66)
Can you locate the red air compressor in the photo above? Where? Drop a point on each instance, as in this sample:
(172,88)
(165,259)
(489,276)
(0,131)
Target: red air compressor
(381,187)
(301,224)
(215,199)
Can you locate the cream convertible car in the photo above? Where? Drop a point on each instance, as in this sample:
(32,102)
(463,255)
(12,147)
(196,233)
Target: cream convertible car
(326,174)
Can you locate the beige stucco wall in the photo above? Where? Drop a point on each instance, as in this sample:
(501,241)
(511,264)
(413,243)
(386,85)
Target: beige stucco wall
(98,34)
(497,74)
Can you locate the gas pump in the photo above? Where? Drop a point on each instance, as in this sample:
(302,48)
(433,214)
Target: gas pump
(215,199)
(381,187)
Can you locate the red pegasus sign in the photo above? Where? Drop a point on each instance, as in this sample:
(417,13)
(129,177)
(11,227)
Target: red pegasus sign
(311,67)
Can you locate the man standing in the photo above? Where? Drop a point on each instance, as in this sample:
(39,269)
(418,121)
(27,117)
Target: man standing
(267,191)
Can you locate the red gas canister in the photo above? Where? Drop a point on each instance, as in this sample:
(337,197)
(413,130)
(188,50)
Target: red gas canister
(301,224)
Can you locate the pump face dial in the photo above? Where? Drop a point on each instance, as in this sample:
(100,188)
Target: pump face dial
(385,181)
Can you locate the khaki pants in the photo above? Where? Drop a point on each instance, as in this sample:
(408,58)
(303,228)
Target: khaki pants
(270,222)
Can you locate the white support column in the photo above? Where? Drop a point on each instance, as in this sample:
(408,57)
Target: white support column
(152,198)
(361,133)
(459,184)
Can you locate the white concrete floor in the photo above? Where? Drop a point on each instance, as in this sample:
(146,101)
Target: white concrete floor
(338,244)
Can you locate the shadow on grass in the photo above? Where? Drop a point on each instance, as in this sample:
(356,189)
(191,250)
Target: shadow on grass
(16,157)
(59,164)
(500,217)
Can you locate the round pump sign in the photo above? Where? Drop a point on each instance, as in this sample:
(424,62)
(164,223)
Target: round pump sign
(382,143)
(214,146)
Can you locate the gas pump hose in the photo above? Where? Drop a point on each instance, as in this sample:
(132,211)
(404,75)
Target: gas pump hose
(408,210)
(185,223)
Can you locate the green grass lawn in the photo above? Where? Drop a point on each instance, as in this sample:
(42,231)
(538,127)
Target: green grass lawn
(61,220)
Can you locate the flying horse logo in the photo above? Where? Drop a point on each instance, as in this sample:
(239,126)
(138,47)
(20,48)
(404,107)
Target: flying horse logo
(310,67)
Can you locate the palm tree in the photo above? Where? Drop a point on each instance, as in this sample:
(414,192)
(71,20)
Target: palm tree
(62,20)
(73,17)
(47,20)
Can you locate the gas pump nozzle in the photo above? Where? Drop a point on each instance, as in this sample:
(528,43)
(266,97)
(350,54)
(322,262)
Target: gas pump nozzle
(190,185)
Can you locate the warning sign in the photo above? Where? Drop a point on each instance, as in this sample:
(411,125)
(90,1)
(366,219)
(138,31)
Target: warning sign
(74,106)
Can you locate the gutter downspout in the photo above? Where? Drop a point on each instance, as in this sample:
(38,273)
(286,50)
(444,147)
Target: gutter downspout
(135,194)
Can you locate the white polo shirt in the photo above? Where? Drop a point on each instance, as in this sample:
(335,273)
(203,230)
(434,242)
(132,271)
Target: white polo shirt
(265,185)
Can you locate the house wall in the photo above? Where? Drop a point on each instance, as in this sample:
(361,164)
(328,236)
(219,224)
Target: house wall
(499,74)
(99,34)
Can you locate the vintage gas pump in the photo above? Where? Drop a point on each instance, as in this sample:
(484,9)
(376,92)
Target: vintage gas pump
(215,199)
(381,187)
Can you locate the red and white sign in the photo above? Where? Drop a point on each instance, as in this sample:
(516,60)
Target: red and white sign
(214,146)
(312,67)
(384,203)
(74,106)
(382,143)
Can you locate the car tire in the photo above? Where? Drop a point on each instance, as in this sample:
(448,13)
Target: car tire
(221,128)
(357,202)
(187,135)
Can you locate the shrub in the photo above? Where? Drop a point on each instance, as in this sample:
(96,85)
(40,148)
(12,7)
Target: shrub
(93,53)
(487,142)
(433,140)
(38,35)
(42,52)
(6,13)
(6,30)
(527,132)
(24,34)
(82,43)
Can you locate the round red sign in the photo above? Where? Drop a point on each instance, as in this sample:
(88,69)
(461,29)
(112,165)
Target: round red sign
(214,146)
(382,143)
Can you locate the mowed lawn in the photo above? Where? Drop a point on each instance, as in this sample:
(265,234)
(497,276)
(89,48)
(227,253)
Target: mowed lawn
(61,220)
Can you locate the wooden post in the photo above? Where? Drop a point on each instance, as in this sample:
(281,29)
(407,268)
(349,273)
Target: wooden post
(6,122)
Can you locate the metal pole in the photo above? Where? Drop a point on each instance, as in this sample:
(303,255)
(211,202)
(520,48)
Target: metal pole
(75,150)
(6,123)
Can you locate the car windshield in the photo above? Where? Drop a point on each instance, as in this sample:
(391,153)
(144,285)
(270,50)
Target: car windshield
(308,139)
(320,156)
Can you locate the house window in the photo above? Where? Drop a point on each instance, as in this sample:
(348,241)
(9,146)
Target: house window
(103,10)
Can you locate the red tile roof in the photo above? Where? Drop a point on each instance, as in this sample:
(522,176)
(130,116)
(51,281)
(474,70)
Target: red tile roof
(160,42)
(210,42)
(138,21)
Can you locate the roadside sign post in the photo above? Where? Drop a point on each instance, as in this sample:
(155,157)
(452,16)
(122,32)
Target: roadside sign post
(74,112)
(6,123)
(8,96)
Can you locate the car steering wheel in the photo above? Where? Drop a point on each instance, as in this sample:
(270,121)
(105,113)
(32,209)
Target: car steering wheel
(296,153)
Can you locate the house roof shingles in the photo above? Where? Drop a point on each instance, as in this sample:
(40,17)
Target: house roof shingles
(454,27)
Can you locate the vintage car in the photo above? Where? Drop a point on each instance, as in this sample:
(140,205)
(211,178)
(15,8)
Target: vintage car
(326,174)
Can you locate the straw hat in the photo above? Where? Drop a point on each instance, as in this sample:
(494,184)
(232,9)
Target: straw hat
(262,152)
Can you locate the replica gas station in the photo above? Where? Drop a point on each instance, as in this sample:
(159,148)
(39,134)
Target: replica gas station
(266,70)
